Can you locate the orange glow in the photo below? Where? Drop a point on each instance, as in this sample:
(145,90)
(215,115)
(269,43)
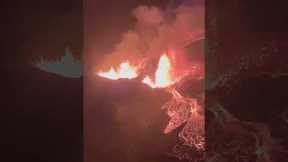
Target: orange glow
(125,71)
(163,76)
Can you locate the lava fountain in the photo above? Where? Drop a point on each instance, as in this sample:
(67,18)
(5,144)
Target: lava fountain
(183,111)
(186,113)
(163,73)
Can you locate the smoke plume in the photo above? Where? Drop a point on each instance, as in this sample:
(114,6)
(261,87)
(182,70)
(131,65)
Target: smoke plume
(156,31)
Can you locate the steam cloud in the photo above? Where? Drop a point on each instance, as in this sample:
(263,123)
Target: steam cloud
(158,30)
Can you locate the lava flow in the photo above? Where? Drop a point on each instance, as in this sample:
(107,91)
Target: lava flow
(124,71)
(181,110)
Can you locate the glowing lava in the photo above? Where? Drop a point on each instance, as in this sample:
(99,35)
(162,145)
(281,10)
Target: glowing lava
(163,77)
(125,71)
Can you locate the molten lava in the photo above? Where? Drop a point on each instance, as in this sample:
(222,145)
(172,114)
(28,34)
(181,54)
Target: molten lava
(125,71)
(183,111)
(163,74)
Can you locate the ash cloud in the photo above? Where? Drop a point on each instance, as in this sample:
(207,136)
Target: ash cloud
(157,30)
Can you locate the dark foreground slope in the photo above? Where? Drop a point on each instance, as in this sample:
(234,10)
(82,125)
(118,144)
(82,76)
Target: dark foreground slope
(41,116)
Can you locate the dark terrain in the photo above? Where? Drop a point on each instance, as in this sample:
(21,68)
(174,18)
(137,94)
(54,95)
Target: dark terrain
(41,115)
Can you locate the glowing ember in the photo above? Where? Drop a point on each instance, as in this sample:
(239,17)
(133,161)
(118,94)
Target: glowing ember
(163,76)
(125,71)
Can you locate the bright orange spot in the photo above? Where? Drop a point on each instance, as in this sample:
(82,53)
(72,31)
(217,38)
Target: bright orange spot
(163,76)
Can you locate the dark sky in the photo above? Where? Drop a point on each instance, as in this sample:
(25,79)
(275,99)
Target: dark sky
(40,28)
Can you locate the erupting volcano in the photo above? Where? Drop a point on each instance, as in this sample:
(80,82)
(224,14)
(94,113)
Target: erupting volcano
(163,63)
(181,110)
